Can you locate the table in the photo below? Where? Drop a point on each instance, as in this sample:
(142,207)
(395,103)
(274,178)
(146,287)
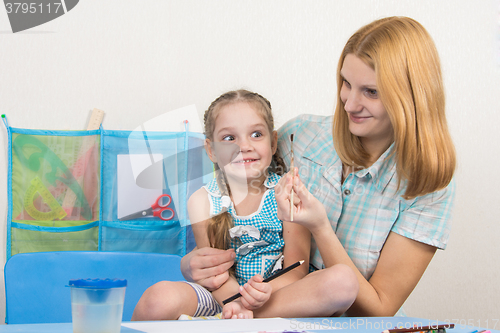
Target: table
(318,325)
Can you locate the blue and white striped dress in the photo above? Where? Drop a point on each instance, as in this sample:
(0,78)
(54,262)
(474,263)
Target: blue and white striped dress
(258,237)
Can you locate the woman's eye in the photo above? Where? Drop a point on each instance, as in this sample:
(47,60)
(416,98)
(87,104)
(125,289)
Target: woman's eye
(228,138)
(372,93)
(346,83)
(256,134)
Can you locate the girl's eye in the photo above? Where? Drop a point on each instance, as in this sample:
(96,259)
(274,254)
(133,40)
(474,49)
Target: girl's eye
(346,83)
(228,138)
(256,134)
(372,93)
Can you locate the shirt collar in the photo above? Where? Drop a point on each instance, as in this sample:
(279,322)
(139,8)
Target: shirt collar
(383,170)
(271,180)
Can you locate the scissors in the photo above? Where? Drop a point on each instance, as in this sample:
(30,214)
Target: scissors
(158,209)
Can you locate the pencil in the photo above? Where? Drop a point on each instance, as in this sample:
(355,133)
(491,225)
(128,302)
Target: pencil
(293,171)
(421,328)
(272,277)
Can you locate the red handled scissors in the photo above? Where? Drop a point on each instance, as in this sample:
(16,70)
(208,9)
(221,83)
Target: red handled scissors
(158,209)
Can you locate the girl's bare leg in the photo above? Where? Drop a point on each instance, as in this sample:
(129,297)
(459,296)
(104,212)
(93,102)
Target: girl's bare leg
(166,300)
(328,292)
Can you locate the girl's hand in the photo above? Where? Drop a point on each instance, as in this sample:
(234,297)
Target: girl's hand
(236,310)
(255,293)
(307,211)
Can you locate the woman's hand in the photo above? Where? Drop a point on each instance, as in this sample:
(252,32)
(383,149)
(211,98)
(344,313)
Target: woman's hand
(307,210)
(255,293)
(207,266)
(236,310)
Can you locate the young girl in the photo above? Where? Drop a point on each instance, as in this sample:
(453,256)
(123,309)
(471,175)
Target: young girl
(238,210)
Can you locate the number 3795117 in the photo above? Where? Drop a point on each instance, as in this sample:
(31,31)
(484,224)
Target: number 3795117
(32,8)
(470,323)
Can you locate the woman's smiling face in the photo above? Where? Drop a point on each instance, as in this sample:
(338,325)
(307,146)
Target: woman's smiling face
(368,118)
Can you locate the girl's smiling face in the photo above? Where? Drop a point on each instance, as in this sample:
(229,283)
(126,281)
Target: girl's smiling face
(242,144)
(368,118)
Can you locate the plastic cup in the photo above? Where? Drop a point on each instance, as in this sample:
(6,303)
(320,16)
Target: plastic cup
(97,305)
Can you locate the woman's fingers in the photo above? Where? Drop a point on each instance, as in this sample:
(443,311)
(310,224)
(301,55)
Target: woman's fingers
(282,190)
(209,266)
(282,194)
(301,190)
(210,257)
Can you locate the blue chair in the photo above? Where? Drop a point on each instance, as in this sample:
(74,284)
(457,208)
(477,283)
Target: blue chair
(36,283)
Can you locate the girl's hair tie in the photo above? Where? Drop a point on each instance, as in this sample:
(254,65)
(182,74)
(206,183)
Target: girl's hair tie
(225,202)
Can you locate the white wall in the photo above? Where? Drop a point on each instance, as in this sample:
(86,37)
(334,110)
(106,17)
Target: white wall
(139,59)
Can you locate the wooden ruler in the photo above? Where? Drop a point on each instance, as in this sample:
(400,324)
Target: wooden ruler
(84,153)
(95,120)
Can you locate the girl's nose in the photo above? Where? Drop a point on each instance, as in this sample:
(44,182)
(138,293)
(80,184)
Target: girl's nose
(245,145)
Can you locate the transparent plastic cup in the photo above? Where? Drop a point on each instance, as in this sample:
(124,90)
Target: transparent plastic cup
(97,305)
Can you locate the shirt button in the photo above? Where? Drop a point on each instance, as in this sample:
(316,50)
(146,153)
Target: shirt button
(347,192)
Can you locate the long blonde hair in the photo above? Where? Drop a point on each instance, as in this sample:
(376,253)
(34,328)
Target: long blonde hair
(218,228)
(410,85)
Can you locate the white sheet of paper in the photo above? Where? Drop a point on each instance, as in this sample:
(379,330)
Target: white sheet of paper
(131,197)
(215,326)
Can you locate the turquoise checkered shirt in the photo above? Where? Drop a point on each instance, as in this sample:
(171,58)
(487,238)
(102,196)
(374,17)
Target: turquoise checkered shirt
(367,206)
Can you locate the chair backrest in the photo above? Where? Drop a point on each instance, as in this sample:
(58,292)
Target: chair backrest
(36,283)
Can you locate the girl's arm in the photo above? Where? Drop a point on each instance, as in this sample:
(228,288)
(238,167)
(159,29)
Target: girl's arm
(199,215)
(401,264)
(297,247)
(204,265)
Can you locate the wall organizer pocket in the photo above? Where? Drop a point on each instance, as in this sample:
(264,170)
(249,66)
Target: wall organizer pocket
(77,190)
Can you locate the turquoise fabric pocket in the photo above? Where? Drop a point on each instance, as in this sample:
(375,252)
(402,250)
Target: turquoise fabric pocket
(67,190)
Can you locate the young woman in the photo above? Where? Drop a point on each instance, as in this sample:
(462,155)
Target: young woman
(382,191)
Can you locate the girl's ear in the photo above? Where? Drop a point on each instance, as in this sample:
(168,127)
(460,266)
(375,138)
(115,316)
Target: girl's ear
(274,142)
(210,150)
